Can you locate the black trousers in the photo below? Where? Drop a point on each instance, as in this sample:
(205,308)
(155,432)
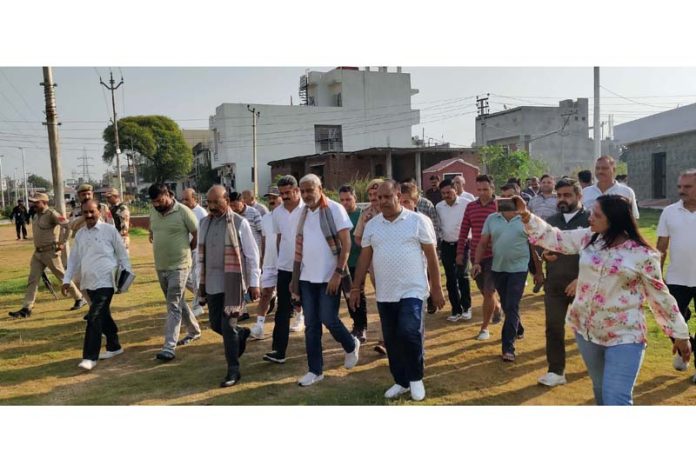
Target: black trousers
(220,324)
(458,288)
(281,327)
(359,316)
(556,303)
(99,321)
(21,227)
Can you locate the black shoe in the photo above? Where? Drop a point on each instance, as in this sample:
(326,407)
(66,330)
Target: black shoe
(271,305)
(274,357)
(78,304)
(243,317)
(21,313)
(165,356)
(230,380)
(243,336)
(381,348)
(497,317)
(187,340)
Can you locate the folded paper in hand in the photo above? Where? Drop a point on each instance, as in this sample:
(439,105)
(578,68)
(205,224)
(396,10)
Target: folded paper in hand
(125,279)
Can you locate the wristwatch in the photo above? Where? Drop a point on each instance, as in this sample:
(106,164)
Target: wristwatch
(339,271)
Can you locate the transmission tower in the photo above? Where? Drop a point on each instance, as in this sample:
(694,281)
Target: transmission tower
(85,165)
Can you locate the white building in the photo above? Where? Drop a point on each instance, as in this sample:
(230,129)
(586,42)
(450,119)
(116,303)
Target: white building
(345,109)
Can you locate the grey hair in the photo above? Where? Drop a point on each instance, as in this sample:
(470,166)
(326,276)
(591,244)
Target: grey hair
(312,179)
(688,173)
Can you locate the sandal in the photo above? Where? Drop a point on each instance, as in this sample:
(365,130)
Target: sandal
(508,357)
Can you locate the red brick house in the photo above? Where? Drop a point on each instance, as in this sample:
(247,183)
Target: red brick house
(449,169)
(338,168)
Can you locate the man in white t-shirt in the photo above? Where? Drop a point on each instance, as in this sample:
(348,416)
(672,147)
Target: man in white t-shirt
(269,264)
(321,265)
(677,226)
(190,199)
(285,218)
(605,172)
(395,241)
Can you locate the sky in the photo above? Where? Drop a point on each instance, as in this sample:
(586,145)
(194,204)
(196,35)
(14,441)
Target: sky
(190,95)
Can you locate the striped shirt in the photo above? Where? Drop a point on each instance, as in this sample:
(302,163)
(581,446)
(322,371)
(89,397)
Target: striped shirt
(253,216)
(427,208)
(474,218)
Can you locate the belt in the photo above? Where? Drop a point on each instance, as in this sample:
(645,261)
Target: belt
(450,243)
(50,247)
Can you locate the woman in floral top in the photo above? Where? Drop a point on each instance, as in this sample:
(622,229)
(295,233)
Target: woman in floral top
(619,271)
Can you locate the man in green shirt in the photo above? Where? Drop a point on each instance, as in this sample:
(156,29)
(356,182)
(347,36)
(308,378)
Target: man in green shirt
(504,232)
(171,223)
(359,315)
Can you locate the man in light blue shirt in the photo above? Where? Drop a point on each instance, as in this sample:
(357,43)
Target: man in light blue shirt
(504,232)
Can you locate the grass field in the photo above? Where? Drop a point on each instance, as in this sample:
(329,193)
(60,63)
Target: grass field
(39,356)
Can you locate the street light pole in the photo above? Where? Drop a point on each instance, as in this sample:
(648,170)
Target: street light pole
(2,184)
(24,172)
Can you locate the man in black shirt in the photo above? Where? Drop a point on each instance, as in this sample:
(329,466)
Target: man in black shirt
(20,216)
(433,193)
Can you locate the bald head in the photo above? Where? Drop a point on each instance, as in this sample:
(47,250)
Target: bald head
(218,200)
(189,198)
(248,197)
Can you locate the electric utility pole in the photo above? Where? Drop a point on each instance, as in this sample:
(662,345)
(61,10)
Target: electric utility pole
(483,109)
(53,145)
(254,174)
(111,88)
(596,126)
(2,184)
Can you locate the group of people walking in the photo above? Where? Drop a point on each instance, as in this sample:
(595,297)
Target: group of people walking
(580,242)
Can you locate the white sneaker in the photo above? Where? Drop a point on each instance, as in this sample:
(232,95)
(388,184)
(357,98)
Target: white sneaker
(466,316)
(110,354)
(679,364)
(309,379)
(551,379)
(455,317)
(197,311)
(483,335)
(87,364)
(352,357)
(395,391)
(417,390)
(298,323)
(257,331)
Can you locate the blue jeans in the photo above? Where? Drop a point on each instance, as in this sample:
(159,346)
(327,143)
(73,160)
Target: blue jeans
(613,370)
(320,308)
(402,329)
(510,288)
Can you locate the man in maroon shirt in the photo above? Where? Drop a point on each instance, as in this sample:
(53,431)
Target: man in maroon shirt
(474,218)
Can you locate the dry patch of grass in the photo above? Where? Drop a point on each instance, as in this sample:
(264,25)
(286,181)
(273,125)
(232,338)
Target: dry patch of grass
(39,356)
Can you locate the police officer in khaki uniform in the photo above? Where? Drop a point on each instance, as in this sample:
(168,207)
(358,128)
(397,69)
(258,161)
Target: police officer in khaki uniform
(46,253)
(120,214)
(77,221)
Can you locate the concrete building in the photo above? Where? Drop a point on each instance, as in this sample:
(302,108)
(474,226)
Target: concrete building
(338,168)
(657,148)
(343,110)
(558,136)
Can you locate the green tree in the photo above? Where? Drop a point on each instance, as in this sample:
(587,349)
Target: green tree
(501,165)
(38,181)
(162,153)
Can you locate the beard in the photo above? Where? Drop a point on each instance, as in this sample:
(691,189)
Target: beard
(567,208)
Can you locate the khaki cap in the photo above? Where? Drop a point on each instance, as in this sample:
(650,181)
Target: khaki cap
(84,188)
(111,191)
(39,197)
